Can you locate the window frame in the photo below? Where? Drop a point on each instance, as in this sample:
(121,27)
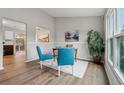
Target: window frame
(117,33)
(110,34)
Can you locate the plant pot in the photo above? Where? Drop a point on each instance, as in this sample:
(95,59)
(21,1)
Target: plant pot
(97,60)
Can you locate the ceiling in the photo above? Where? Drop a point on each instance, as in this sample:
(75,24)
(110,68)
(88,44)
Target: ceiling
(74,12)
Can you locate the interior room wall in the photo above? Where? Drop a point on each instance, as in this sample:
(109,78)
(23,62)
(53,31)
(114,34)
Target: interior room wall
(32,18)
(1,47)
(83,25)
(57,28)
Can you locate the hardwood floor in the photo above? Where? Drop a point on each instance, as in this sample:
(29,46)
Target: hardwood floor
(17,72)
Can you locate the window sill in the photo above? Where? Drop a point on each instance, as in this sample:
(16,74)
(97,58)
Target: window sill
(117,73)
(111,63)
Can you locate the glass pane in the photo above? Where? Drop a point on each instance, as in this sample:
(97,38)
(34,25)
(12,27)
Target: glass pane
(121,18)
(112,24)
(20,41)
(9,35)
(120,46)
(111,49)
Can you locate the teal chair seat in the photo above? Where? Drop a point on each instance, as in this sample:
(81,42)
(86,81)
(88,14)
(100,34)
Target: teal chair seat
(46,57)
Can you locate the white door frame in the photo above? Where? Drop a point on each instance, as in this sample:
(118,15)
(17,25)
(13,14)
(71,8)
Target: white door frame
(1,39)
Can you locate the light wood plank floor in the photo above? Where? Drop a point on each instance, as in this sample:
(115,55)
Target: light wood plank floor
(17,72)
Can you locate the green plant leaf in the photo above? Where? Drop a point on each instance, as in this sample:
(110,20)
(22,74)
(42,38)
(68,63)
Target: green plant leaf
(95,43)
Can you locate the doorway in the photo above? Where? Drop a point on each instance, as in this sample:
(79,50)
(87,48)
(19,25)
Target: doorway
(19,43)
(14,42)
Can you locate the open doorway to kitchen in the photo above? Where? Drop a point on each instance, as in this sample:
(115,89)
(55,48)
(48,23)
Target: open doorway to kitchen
(14,42)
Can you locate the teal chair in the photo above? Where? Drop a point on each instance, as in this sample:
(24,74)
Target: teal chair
(65,57)
(43,57)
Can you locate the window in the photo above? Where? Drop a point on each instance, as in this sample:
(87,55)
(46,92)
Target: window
(9,35)
(111,50)
(112,24)
(111,31)
(120,46)
(120,41)
(115,39)
(121,19)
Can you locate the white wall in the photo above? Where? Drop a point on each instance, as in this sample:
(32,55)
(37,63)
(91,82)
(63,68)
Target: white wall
(36,17)
(83,24)
(1,47)
(33,18)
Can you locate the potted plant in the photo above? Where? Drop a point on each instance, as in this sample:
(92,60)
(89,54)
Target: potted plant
(95,45)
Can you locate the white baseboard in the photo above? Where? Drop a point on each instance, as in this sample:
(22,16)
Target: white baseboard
(31,60)
(86,59)
(1,68)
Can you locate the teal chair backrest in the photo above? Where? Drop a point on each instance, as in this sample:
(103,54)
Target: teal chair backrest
(65,56)
(39,52)
(43,57)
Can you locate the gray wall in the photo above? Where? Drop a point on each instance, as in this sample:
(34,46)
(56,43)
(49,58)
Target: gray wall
(83,24)
(33,18)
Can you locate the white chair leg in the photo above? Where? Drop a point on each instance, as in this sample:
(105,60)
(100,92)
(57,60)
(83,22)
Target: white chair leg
(51,62)
(41,65)
(72,70)
(58,70)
